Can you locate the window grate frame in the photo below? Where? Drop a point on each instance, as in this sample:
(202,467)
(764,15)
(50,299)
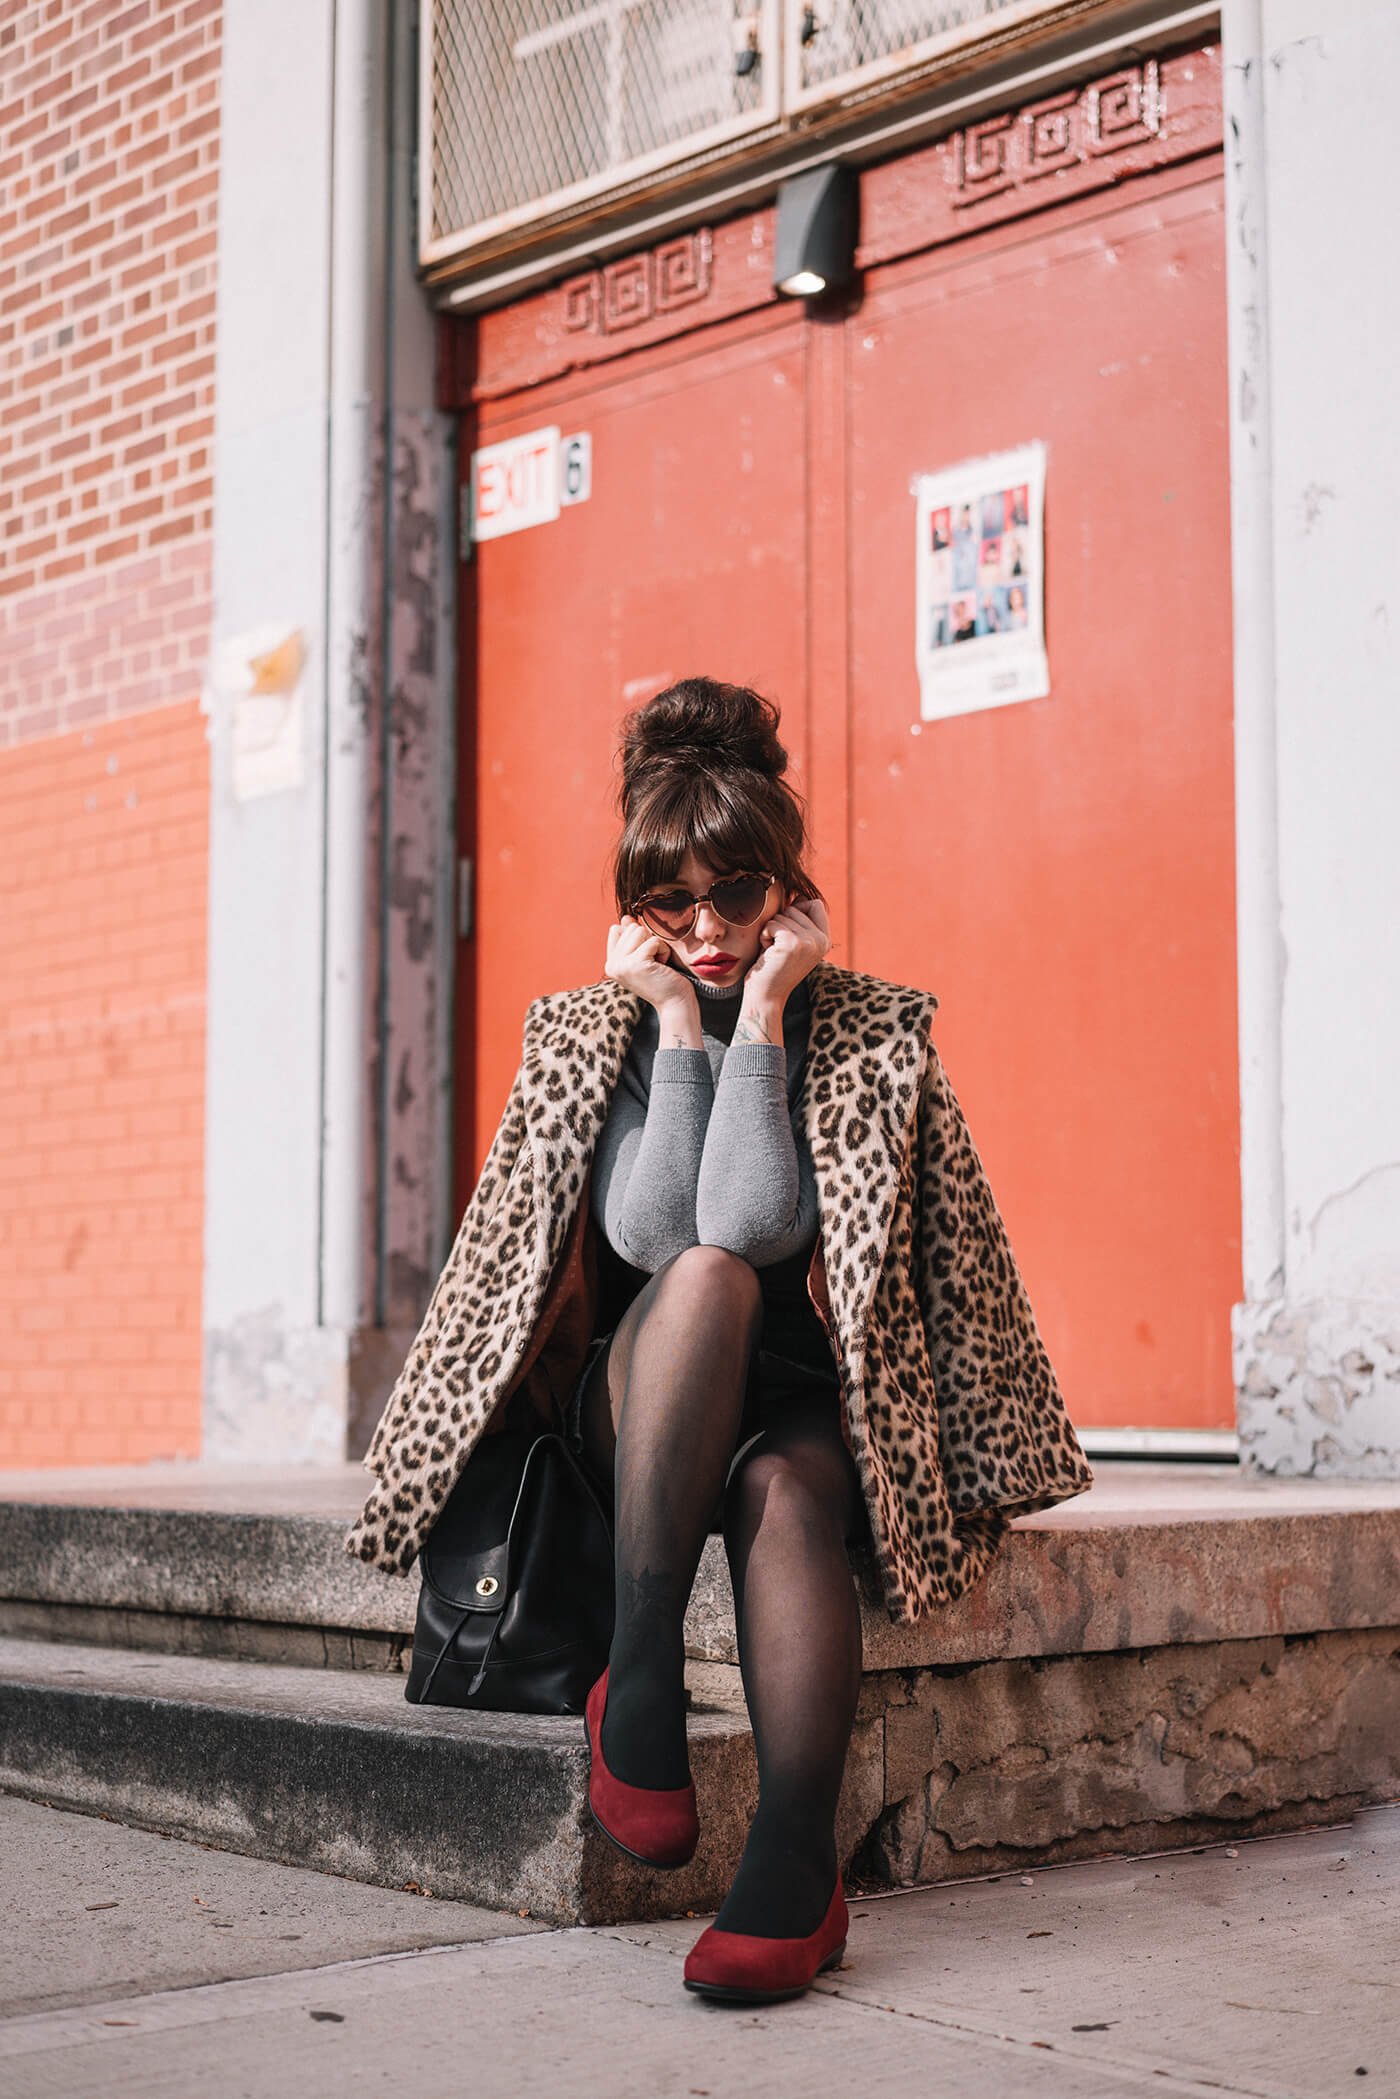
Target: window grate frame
(907,64)
(670,185)
(573,199)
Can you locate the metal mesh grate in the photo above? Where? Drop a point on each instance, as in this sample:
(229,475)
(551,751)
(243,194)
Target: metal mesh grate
(531,98)
(840,36)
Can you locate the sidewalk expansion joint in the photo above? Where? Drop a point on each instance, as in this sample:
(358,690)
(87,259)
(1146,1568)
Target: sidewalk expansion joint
(1105,2064)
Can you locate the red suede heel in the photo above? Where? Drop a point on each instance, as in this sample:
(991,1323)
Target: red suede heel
(658,1827)
(745,1970)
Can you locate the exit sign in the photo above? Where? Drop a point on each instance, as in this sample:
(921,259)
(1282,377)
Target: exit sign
(523,480)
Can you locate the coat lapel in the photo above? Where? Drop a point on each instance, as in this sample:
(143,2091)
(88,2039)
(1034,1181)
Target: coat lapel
(865,1058)
(573,1051)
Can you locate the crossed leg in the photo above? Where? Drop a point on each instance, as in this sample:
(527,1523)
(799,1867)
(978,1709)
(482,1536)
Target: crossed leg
(663,1409)
(788,1513)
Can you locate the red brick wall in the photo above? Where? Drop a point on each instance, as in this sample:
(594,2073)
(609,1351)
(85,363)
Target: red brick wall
(109,138)
(102,959)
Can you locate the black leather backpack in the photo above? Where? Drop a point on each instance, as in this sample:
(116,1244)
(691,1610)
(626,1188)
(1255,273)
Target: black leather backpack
(516,1609)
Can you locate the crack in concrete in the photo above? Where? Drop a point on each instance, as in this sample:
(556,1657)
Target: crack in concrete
(1108,2065)
(1341,1195)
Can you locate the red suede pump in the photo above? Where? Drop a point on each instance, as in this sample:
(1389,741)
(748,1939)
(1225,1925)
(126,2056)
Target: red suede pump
(660,1827)
(746,1970)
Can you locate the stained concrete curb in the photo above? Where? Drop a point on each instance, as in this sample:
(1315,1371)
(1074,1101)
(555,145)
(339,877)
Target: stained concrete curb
(1075,1581)
(273,1568)
(333,1771)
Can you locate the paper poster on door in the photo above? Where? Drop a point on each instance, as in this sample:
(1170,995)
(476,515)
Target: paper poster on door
(980,583)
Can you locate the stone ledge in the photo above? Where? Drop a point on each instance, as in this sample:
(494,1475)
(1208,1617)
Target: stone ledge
(214,1639)
(953,1772)
(1059,1591)
(263,1567)
(334,1771)
(1154,1555)
(1005,1765)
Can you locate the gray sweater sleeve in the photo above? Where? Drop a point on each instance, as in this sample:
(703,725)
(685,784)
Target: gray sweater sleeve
(648,1159)
(755,1195)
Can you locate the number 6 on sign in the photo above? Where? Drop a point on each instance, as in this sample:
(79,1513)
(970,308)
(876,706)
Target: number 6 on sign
(575,468)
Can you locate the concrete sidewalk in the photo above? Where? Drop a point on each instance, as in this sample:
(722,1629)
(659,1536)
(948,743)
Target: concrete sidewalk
(138,1965)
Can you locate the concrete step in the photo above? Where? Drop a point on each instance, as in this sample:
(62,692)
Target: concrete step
(250,1564)
(1182,1654)
(183,1565)
(331,1770)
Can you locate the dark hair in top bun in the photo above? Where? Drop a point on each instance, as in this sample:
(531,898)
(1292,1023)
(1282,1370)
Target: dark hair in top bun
(702,771)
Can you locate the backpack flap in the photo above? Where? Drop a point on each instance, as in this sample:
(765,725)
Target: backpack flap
(517,1577)
(466,1555)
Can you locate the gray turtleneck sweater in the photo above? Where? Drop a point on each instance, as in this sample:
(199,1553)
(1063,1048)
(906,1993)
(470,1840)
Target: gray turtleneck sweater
(701,1146)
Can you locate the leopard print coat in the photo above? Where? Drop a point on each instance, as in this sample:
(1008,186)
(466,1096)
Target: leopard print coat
(953,1414)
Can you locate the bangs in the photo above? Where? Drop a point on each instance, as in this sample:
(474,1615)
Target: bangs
(696,814)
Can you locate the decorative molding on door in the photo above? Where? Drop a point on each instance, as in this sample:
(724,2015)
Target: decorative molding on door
(1122,123)
(1028,144)
(688,280)
(1128,122)
(626,293)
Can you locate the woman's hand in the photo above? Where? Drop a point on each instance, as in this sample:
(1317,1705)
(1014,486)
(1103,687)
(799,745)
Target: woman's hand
(791,945)
(640,960)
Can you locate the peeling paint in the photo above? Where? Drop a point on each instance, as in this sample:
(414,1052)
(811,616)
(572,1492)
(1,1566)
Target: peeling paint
(404,1095)
(358,714)
(411,896)
(415,558)
(1318,1388)
(418,927)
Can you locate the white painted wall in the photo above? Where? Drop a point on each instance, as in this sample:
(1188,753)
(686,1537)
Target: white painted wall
(324,363)
(1315,296)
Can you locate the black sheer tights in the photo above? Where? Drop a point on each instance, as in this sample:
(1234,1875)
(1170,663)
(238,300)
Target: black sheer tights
(787,1515)
(666,1406)
(667,1414)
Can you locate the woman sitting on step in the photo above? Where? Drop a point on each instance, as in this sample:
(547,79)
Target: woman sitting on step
(810,1329)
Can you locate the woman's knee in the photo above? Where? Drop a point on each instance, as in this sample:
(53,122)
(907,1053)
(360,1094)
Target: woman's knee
(717,1277)
(802,1489)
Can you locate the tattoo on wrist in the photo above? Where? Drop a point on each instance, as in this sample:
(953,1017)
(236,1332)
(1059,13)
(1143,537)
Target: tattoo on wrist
(678,1023)
(751,1027)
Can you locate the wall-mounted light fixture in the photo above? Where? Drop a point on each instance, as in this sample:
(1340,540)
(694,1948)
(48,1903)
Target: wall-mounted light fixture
(817,229)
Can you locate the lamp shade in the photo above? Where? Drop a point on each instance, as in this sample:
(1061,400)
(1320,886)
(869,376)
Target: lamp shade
(817,227)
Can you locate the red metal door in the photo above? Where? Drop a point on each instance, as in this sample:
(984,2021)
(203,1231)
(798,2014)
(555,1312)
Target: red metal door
(1059,871)
(689,556)
(1062,871)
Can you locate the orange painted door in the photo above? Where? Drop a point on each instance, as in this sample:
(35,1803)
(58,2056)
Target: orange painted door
(1061,871)
(689,556)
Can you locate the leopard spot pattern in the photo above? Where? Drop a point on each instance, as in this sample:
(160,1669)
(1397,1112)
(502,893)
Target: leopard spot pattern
(955,1417)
